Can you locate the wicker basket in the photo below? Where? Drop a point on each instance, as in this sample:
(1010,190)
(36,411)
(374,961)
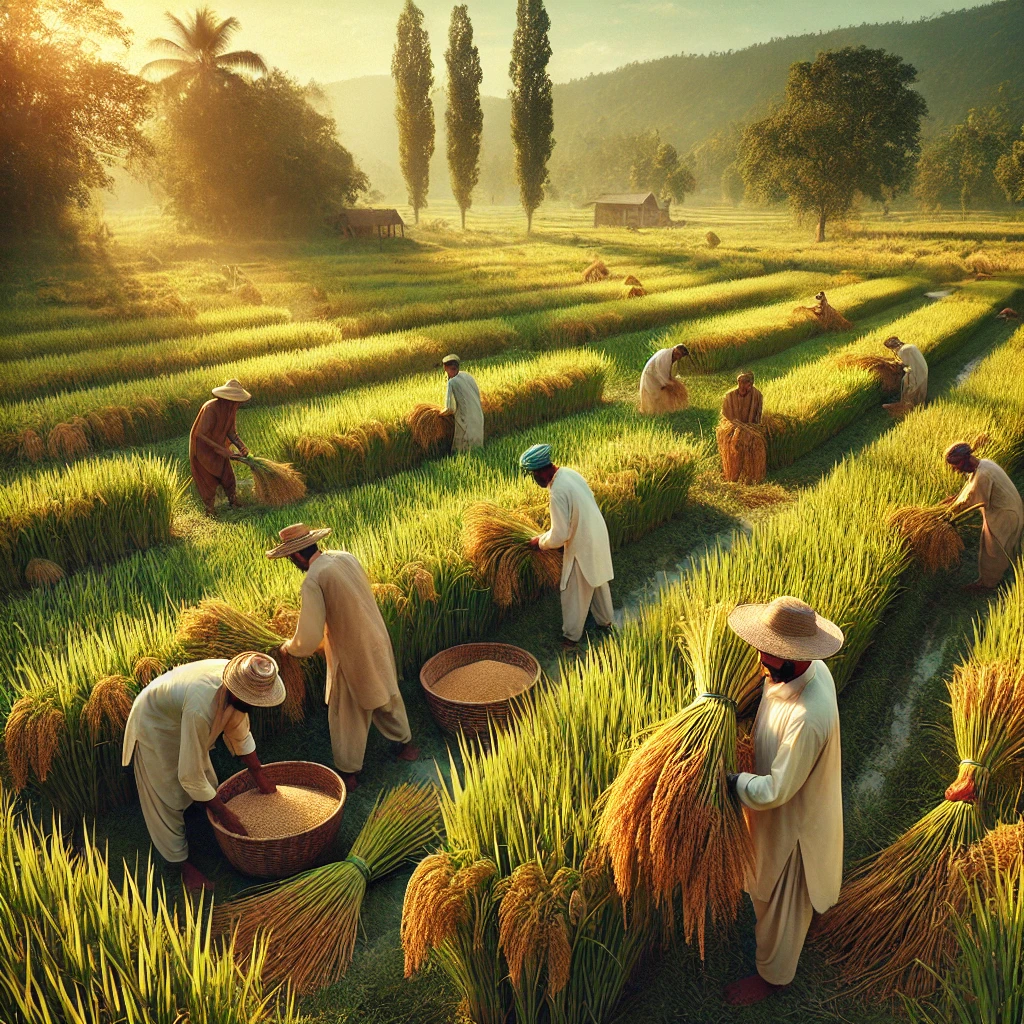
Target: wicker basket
(470,717)
(277,858)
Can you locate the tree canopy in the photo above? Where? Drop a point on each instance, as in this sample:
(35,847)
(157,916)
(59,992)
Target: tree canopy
(413,72)
(850,126)
(657,168)
(464,117)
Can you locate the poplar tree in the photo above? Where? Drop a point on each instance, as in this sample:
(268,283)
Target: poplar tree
(533,122)
(464,117)
(413,72)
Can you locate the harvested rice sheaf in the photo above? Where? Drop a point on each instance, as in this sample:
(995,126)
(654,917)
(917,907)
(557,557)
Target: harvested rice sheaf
(743,451)
(41,572)
(431,429)
(67,440)
(275,483)
(888,371)
(597,271)
(931,534)
(107,709)
(713,240)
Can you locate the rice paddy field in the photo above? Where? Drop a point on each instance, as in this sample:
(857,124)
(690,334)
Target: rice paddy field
(110,574)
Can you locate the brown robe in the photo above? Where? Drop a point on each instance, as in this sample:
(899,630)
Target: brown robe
(742,450)
(739,408)
(208,453)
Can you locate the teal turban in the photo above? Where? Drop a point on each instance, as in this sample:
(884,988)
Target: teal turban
(535,457)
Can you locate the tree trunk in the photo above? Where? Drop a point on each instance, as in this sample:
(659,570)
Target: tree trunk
(416,214)
(529,221)
(462,210)
(820,236)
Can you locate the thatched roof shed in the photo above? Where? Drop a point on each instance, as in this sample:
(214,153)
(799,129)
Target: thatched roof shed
(365,223)
(629,209)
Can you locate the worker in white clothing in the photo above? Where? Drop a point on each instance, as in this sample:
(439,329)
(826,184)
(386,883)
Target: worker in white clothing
(914,387)
(173,725)
(462,403)
(579,529)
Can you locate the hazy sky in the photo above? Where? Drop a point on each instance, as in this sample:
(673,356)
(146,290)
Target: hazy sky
(331,40)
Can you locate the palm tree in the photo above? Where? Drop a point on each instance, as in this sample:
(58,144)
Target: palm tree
(197,51)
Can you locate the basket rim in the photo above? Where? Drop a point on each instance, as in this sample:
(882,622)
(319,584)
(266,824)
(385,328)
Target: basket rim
(234,836)
(483,646)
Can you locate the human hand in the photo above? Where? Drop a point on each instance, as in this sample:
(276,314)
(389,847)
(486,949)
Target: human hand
(242,450)
(534,543)
(231,821)
(263,784)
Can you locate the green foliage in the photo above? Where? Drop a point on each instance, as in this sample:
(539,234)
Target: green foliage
(850,126)
(1010,171)
(413,72)
(533,123)
(464,117)
(66,114)
(656,168)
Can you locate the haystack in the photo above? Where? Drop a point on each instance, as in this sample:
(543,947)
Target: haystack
(743,451)
(713,240)
(631,279)
(41,572)
(597,271)
(431,429)
(635,291)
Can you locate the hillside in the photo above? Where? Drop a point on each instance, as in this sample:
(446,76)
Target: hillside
(962,59)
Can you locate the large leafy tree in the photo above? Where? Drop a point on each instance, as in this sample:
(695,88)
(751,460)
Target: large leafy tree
(533,122)
(1010,172)
(850,126)
(413,72)
(66,114)
(198,52)
(464,117)
(657,168)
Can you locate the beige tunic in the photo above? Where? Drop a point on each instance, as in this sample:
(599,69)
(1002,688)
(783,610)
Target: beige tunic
(577,527)
(657,374)
(915,377)
(462,398)
(739,408)
(1003,515)
(173,725)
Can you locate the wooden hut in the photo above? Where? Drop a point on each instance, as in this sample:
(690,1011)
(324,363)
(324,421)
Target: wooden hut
(629,210)
(367,223)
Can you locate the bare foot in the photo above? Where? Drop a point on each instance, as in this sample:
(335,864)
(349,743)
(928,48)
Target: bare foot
(350,780)
(569,645)
(408,752)
(193,879)
(749,990)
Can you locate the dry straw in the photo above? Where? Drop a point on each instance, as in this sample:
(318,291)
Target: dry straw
(275,483)
(431,429)
(41,572)
(888,371)
(829,318)
(931,533)
(742,449)
(597,271)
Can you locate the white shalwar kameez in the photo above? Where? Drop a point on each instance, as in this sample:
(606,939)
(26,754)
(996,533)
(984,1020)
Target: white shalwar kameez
(794,810)
(578,527)
(915,376)
(656,376)
(462,398)
(173,725)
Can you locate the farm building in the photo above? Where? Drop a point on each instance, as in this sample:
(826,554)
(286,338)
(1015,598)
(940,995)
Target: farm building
(365,223)
(629,209)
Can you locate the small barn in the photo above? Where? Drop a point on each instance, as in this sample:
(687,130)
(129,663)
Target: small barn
(367,223)
(629,210)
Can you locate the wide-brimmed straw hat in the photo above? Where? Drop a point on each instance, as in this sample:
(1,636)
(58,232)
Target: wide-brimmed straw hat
(786,628)
(253,677)
(295,538)
(233,391)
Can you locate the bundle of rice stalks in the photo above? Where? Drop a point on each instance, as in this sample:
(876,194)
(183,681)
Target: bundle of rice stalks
(32,735)
(146,669)
(671,828)
(106,711)
(1001,849)
(496,541)
(29,445)
(829,318)
(634,291)
(713,240)
(897,410)
(67,440)
(41,572)
(888,371)
(631,279)
(312,920)
(674,396)
(431,429)
(275,483)
(597,271)
(931,534)
(213,629)
(890,929)
(742,449)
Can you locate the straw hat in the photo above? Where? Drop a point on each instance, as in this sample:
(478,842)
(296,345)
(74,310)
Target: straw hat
(232,391)
(451,358)
(746,375)
(786,628)
(295,538)
(253,677)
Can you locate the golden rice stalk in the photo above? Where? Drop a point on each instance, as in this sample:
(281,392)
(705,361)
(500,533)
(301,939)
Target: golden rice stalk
(634,291)
(315,446)
(146,669)
(437,903)
(713,240)
(495,540)
(37,737)
(597,271)
(930,534)
(30,446)
(41,572)
(418,578)
(109,704)
(742,449)
(17,741)
(889,371)
(631,279)
(284,620)
(430,428)
(275,483)
(390,593)
(1001,849)
(829,318)
(67,440)
(674,396)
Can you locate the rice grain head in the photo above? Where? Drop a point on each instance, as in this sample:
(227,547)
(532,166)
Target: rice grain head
(41,572)
(17,741)
(146,669)
(108,705)
(430,429)
(67,440)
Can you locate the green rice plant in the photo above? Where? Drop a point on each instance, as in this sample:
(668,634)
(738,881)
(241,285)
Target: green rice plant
(740,338)
(76,948)
(93,512)
(537,796)
(101,331)
(334,445)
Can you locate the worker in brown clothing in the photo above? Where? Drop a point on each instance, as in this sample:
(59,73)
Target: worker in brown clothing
(208,451)
(740,439)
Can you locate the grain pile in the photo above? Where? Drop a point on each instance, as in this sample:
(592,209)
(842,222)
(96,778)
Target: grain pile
(597,271)
(289,811)
(483,682)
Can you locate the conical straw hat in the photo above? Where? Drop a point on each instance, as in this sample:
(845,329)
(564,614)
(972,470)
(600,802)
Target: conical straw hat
(786,628)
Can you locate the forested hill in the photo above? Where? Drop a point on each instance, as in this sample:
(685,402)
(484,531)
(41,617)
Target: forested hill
(962,59)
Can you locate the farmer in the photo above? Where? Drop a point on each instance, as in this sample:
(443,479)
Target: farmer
(340,612)
(1001,510)
(173,725)
(578,528)
(742,449)
(208,452)
(462,403)
(793,800)
(914,389)
(659,389)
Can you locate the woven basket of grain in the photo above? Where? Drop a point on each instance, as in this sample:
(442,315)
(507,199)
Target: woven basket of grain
(283,855)
(472,685)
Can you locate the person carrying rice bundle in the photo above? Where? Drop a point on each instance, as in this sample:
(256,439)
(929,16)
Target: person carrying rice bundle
(793,800)
(1001,509)
(740,441)
(340,612)
(209,456)
(914,388)
(174,723)
(660,391)
(462,403)
(579,529)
